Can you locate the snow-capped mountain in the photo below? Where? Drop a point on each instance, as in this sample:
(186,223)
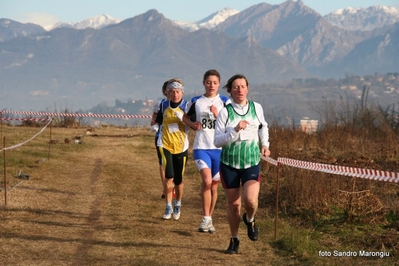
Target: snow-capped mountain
(97,22)
(210,21)
(276,43)
(363,18)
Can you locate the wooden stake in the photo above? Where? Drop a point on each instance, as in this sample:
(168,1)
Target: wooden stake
(5,176)
(277,196)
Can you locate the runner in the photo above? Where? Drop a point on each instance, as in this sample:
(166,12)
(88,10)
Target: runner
(239,127)
(173,145)
(205,108)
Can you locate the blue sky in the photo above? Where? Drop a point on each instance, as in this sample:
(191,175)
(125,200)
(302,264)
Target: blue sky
(45,12)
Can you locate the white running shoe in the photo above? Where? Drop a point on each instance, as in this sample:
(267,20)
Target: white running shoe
(168,213)
(206,226)
(176,212)
(211,229)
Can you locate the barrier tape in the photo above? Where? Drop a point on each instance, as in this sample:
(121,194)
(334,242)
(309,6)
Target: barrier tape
(76,114)
(339,170)
(326,168)
(24,119)
(20,144)
(269,160)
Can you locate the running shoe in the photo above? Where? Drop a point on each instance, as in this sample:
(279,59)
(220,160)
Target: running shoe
(206,226)
(176,212)
(251,228)
(233,246)
(211,229)
(168,213)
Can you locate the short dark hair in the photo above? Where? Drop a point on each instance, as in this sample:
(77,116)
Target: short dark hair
(229,83)
(211,72)
(164,86)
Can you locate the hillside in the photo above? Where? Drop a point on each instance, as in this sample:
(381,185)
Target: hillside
(99,60)
(129,60)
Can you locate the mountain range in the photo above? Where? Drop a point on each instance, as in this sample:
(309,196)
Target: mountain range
(350,18)
(102,59)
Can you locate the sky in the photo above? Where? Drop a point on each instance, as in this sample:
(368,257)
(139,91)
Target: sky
(48,12)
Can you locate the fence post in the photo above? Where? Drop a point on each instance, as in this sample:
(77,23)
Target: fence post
(1,129)
(277,196)
(49,143)
(5,176)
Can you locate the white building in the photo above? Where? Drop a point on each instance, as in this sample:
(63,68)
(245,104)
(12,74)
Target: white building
(308,125)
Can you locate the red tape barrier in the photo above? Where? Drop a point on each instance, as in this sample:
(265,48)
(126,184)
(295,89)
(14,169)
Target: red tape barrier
(76,114)
(24,119)
(326,168)
(269,160)
(336,169)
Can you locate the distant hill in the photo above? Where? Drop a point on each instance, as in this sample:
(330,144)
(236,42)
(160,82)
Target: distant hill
(101,60)
(293,30)
(128,60)
(10,29)
(380,52)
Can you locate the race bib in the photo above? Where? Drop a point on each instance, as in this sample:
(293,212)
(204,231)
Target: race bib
(249,132)
(173,128)
(207,121)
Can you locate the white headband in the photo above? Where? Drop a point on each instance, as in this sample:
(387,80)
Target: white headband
(175,85)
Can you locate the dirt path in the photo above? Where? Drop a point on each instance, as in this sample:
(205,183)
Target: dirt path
(99,204)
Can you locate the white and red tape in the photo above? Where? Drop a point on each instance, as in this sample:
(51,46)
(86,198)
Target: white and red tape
(336,169)
(23,119)
(74,114)
(326,168)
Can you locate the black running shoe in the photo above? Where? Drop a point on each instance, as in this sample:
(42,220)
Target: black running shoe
(233,247)
(251,227)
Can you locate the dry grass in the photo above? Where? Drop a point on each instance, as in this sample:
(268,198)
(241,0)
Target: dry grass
(98,203)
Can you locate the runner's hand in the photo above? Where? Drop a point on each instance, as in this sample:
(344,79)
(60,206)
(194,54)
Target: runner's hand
(265,151)
(155,127)
(241,125)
